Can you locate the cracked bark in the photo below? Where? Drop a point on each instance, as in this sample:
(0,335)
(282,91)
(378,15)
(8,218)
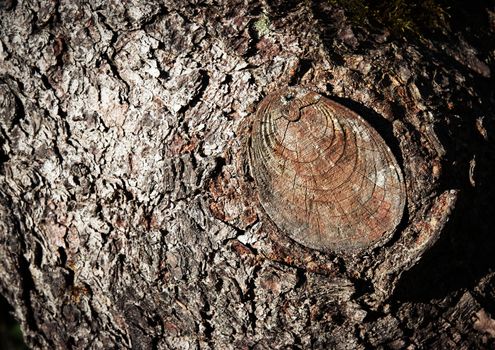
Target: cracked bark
(128,214)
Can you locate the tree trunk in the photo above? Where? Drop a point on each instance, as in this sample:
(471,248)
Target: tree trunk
(128,214)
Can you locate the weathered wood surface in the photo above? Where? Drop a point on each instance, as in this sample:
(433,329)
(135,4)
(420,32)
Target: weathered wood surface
(323,175)
(127,213)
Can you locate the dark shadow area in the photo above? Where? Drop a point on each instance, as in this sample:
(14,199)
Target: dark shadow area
(414,20)
(10,331)
(465,252)
(279,8)
(442,270)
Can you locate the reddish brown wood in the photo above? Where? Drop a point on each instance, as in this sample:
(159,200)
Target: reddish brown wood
(325,176)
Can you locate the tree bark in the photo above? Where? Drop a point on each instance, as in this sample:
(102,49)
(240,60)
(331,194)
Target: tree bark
(128,215)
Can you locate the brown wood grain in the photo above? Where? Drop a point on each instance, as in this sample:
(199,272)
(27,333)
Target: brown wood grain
(324,175)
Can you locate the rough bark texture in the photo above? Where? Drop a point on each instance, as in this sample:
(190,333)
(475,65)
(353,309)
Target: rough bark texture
(128,216)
